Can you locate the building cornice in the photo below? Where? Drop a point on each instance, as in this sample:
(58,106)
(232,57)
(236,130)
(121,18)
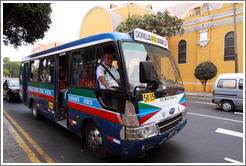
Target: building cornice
(213,24)
(212,17)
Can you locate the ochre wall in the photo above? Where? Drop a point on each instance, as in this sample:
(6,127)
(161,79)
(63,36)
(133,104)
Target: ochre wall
(133,9)
(93,21)
(213,51)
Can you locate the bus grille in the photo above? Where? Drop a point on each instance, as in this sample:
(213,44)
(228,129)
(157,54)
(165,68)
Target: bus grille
(169,124)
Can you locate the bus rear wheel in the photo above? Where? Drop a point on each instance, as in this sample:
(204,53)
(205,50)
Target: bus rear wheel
(35,113)
(94,140)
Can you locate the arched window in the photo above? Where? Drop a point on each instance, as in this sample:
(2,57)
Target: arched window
(229,47)
(182,49)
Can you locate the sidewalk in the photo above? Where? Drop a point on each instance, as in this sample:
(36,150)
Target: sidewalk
(199,94)
(12,151)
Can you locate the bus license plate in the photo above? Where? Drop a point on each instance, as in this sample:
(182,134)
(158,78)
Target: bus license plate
(148,97)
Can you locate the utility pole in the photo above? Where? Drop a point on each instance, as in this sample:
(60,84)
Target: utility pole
(129,15)
(235,37)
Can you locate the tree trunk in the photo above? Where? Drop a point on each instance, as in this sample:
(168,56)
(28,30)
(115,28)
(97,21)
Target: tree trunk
(204,89)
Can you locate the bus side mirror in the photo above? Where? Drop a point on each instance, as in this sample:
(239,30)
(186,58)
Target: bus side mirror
(145,69)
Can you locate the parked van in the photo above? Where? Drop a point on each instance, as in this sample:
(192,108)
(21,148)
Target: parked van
(228,91)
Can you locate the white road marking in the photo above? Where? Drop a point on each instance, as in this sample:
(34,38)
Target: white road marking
(229,132)
(199,102)
(231,160)
(208,116)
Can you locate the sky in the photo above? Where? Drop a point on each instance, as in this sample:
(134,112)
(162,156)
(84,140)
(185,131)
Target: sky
(66,23)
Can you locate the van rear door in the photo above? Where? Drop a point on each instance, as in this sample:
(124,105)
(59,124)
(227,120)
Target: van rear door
(240,93)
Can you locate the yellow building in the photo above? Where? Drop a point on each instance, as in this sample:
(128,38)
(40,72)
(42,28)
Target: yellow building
(208,35)
(99,20)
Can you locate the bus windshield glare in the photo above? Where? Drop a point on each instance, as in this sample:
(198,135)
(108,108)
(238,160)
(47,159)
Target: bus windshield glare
(164,70)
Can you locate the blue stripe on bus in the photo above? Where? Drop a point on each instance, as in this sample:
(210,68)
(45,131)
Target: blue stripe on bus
(144,112)
(41,91)
(84,101)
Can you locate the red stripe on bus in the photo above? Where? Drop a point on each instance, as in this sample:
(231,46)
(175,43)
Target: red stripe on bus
(147,117)
(94,111)
(110,138)
(42,96)
(183,104)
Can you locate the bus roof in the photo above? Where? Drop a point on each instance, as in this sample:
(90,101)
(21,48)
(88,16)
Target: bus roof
(88,41)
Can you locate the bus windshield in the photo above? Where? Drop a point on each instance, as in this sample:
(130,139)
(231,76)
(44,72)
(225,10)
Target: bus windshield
(164,70)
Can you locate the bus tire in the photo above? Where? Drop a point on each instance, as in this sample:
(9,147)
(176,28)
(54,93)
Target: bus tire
(35,113)
(94,140)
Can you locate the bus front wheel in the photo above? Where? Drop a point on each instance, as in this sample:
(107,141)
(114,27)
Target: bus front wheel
(94,140)
(35,113)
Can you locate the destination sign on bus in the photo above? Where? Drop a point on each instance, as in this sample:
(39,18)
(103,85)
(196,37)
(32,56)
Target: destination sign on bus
(145,36)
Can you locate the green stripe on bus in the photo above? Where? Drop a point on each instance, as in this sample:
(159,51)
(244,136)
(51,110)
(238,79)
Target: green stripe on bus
(147,106)
(40,85)
(82,92)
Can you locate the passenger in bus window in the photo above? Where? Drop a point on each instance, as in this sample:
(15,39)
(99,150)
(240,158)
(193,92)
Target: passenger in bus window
(105,80)
(62,81)
(62,74)
(87,80)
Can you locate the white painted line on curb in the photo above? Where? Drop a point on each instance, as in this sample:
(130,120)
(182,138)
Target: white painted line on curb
(231,160)
(199,102)
(208,116)
(229,132)
(239,113)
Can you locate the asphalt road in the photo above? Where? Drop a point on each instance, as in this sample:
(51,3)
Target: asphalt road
(210,136)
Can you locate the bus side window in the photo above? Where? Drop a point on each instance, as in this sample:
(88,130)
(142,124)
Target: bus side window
(43,70)
(88,72)
(34,70)
(77,66)
(46,70)
(50,70)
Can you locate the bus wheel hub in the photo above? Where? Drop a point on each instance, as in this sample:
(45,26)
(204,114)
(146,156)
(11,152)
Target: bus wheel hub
(95,139)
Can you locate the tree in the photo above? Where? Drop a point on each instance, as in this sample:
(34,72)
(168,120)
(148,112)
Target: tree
(204,72)
(5,59)
(24,23)
(162,24)
(11,69)
(6,72)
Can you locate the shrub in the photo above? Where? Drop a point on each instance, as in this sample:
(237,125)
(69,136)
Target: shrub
(204,72)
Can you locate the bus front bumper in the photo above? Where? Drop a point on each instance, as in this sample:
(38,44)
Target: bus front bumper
(130,149)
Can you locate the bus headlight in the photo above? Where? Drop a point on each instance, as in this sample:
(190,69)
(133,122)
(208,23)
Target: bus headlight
(140,133)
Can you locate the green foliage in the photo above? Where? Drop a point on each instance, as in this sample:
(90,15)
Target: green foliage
(24,23)
(204,72)
(162,24)
(11,69)
(5,59)
(6,72)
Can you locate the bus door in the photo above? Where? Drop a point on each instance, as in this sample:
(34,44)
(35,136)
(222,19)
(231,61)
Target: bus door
(23,81)
(25,89)
(61,99)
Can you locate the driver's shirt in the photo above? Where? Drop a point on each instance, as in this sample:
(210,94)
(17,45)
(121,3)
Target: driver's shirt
(102,72)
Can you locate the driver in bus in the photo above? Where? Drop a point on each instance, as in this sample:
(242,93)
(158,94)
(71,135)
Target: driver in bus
(105,80)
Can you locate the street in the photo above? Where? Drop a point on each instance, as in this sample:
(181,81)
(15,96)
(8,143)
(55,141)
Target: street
(210,136)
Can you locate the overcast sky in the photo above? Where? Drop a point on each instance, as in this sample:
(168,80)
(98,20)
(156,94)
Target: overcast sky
(66,22)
